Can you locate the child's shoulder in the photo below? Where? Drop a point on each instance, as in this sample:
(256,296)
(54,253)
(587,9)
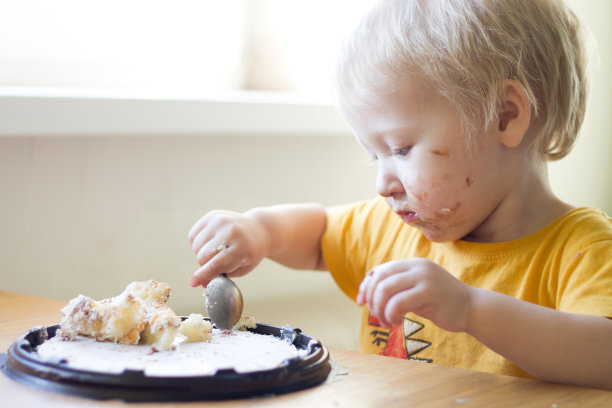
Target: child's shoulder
(582,226)
(586,220)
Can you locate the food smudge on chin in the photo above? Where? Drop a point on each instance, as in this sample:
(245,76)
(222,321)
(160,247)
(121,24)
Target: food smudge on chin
(447,211)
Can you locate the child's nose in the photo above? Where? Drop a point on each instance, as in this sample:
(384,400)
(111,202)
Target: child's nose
(387,182)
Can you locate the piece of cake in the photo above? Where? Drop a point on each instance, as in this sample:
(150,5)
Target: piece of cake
(245,322)
(161,322)
(152,293)
(161,328)
(119,319)
(138,315)
(195,328)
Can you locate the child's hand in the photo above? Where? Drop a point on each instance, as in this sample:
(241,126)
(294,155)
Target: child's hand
(226,242)
(416,285)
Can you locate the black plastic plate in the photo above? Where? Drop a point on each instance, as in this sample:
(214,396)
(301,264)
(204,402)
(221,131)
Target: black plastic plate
(24,365)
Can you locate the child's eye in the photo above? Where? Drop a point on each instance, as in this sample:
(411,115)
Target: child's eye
(403,151)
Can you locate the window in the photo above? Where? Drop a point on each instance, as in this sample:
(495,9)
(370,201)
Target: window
(182,46)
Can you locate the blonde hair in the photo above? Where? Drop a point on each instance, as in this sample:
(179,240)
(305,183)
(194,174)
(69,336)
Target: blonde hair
(466,49)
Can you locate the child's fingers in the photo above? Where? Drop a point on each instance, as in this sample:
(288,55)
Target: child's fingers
(194,281)
(222,261)
(368,286)
(211,249)
(386,290)
(378,274)
(212,221)
(363,287)
(402,302)
(202,276)
(195,229)
(228,260)
(204,236)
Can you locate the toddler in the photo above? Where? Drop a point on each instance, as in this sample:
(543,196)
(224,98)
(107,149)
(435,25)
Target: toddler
(466,257)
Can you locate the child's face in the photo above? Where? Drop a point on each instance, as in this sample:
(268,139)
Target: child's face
(426,172)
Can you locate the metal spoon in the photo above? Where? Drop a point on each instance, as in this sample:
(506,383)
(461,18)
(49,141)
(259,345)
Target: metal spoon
(223,302)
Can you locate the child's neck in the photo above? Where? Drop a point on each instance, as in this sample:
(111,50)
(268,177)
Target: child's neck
(530,206)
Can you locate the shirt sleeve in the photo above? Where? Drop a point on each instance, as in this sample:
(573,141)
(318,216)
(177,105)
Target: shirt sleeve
(345,244)
(586,285)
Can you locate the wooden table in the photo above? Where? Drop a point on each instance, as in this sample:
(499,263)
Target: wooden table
(369,381)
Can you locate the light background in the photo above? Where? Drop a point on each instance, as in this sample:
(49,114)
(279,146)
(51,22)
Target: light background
(90,210)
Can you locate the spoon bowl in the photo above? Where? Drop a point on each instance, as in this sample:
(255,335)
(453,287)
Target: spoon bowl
(223,302)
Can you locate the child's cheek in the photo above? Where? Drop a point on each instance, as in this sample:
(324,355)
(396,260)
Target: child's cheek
(435,199)
(447,211)
(421,190)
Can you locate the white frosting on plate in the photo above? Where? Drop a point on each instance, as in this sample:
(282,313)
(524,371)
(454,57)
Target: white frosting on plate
(241,350)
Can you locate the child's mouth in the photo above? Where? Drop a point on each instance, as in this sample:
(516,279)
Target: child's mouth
(408,216)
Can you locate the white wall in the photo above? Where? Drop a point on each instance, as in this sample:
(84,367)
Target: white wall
(585,176)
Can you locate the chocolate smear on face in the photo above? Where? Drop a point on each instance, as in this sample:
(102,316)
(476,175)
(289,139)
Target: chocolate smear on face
(440,153)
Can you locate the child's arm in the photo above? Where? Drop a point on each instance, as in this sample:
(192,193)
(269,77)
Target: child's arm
(549,344)
(233,243)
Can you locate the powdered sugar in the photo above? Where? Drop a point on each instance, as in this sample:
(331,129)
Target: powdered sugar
(242,351)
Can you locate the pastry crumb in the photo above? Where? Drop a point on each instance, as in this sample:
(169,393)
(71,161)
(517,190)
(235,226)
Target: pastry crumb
(245,322)
(195,328)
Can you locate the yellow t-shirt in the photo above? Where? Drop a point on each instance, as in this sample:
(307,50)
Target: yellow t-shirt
(566,266)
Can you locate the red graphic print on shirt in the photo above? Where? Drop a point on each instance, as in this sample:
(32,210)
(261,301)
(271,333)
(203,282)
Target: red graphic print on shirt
(399,341)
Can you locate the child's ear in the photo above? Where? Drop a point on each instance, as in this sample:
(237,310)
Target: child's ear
(515,114)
